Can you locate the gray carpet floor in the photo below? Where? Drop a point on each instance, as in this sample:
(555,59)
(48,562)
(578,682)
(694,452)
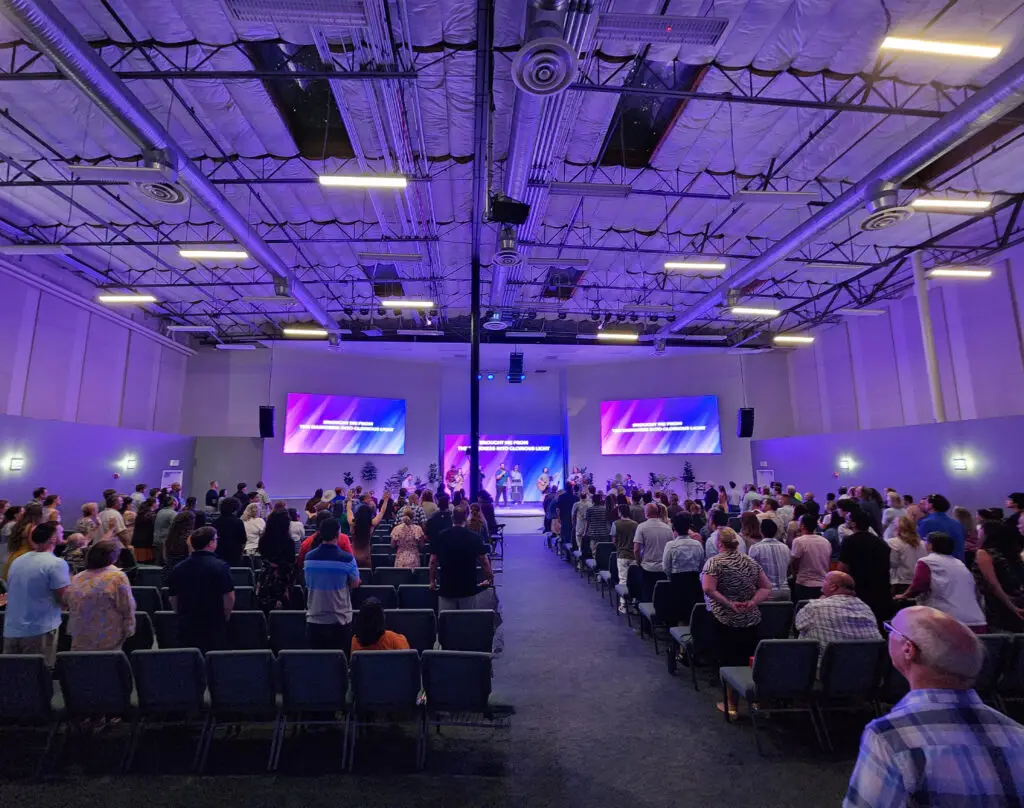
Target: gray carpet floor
(600,722)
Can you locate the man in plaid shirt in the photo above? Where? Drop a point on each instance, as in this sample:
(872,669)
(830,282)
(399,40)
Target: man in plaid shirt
(941,745)
(419,516)
(837,615)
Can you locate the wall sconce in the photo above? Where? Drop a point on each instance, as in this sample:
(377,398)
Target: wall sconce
(17,463)
(130,463)
(845,464)
(960,464)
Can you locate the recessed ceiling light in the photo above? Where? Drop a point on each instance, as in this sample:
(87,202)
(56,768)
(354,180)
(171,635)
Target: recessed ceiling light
(960,272)
(126,299)
(898,43)
(697,266)
(751,311)
(364,181)
(947,204)
(792,339)
(214,253)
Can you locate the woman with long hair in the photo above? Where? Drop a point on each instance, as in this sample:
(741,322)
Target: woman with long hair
(101,608)
(750,529)
(361,524)
(999,573)
(254,525)
(370,632)
(11,516)
(312,502)
(408,539)
(477,523)
(892,514)
(428,504)
(277,549)
(971,539)
(18,544)
(176,544)
(142,535)
(905,550)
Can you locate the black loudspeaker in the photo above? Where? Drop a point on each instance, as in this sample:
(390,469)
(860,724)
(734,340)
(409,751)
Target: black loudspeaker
(509,211)
(266,421)
(515,368)
(745,422)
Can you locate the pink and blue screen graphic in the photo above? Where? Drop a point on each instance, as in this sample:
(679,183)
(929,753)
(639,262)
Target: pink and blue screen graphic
(532,453)
(654,426)
(321,424)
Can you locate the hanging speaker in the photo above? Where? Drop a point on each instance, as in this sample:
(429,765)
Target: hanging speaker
(266,421)
(515,368)
(745,422)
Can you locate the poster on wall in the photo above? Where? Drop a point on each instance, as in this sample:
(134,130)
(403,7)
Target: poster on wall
(325,424)
(661,426)
(169,477)
(536,458)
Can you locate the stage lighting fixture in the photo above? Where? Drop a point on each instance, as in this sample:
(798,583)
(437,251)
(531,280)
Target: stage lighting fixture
(380,312)
(562,315)
(671,318)
(348,311)
(490,377)
(620,317)
(364,312)
(634,317)
(652,318)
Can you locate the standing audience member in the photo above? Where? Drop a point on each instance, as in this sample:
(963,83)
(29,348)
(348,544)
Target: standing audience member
(649,543)
(477,523)
(719,520)
(202,594)
(254,525)
(682,562)
(812,556)
(428,505)
(10,519)
(101,608)
(142,533)
(566,503)
(905,550)
(230,533)
(331,574)
(277,549)
(311,504)
(440,520)
(20,541)
(774,558)
(999,573)
(623,531)
(750,530)
(892,514)
(114,504)
(362,523)
(944,583)
(176,546)
(865,556)
(212,497)
(138,496)
(89,521)
(37,582)
(941,745)
(937,520)
(407,539)
(837,615)
(458,551)
(296,529)
(370,634)
(161,525)
(51,508)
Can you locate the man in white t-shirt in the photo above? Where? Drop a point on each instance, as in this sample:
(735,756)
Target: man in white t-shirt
(112,512)
(36,584)
(812,559)
(649,548)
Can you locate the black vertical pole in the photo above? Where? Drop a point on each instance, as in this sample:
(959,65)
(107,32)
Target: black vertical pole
(481,126)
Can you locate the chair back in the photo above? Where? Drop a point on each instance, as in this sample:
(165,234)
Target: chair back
(466,630)
(776,620)
(894,684)
(313,681)
(149,576)
(418,626)
(702,629)
(298,601)
(416,596)
(241,682)
(247,630)
(421,576)
(95,682)
(853,668)
(456,681)
(387,596)
(1013,682)
(242,576)
(634,581)
(997,653)
(613,569)
(393,576)
(245,598)
(602,552)
(381,549)
(687,591)
(287,630)
(166,626)
(147,599)
(385,680)
(142,639)
(378,560)
(666,603)
(26,687)
(169,680)
(165,599)
(365,575)
(785,669)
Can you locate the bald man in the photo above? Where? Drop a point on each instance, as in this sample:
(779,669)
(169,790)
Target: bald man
(941,745)
(837,615)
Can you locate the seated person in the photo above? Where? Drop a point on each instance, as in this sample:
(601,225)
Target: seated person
(837,615)
(370,632)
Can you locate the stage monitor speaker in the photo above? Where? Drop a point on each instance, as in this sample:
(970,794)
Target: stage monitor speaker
(509,211)
(745,422)
(266,421)
(515,368)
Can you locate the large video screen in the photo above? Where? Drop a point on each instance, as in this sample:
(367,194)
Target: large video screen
(318,424)
(538,459)
(650,426)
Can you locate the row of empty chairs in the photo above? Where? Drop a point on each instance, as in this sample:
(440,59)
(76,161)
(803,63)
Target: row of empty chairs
(298,687)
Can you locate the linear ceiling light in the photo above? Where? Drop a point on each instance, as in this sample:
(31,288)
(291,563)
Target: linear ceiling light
(940,204)
(751,311)
(234,346)
(214,253)
(148,172)
(779,198)
(191,329)
(820,267)
(526,334)
(300,331)
(34,249)
(285,300)
(397,258)
(400,303)
(126,299)
(696,266)
(702,337)
(661,28)
(558,262)
(792,339)
(898,43)
(593,189)
(617,336)
(960,272)
(861,312)
(419,332)
(361,181)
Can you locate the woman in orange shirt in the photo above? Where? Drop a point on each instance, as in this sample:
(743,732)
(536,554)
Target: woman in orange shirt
(370,632)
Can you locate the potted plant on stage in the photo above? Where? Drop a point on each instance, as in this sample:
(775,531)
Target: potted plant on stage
(688,477)
(368,472)
(348,478)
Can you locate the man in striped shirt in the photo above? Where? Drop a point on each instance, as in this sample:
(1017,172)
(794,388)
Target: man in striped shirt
(773,556)
(330,573)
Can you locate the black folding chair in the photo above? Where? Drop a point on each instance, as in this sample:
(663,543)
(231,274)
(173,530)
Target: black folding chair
(247,631)
(287,630)
(393,576)
(385,685)
(416,596)
(97,684)
(27,699)
(314,686)
(418,626)
(387,596)
(147,599)
(467,630)
(143,638)
(851,671)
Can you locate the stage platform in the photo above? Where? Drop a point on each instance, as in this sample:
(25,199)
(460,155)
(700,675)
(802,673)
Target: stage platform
(526,518)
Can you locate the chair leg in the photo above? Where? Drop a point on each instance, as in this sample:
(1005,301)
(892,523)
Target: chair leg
(280,742)
(725,701)
(127,754)
(753,720)
(816,708)
(654,636)
(197,757)
(133,743)
(670,655)
(353,733)
(45,756)
(210,732)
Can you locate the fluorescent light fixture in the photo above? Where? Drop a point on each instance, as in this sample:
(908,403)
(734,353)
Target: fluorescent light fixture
(397,258)
(617,336)
(130,464)
(697,266)
(286,300)
(234,346)
(372,332)
(861,312)
(419,332)
(558,262)
(837,266)
(792,339)
(779,198)
(593,189)
(898,43)
(960,464)
(526,334)
(650,29)
(190,329)
(17,463)
(304,331)
(702,337)
(400,303)
(34,249)
(752,311)
(845,463)
(960,272)
(126,299)
(952,205)
(214,253)
(149,172)
(361,181)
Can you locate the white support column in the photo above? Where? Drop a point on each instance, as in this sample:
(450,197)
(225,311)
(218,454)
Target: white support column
(931,362)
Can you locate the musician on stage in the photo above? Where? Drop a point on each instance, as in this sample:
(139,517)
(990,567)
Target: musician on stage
(544,481)
(500,485)
(515,481)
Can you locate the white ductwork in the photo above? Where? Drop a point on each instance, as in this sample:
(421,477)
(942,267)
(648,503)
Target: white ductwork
(53,36)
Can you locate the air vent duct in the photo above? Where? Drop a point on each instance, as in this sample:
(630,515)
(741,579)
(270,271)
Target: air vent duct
(507,255)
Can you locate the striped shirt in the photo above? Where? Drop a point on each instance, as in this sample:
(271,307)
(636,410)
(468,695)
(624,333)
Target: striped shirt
(737,576)
(939,747)
(329,572)
(773,556)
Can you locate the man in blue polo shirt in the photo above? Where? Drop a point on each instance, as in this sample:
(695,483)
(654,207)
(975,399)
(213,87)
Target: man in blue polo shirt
(938,521)
(202,594)
(330,573)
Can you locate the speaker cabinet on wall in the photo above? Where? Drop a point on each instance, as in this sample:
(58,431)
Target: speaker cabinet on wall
(266,421)
(515,368)
(745,422)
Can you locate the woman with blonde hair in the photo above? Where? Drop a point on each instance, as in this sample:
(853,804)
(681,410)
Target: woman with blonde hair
(407,539)
(892,514)
(254,526)
(477,523)
(905,550)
